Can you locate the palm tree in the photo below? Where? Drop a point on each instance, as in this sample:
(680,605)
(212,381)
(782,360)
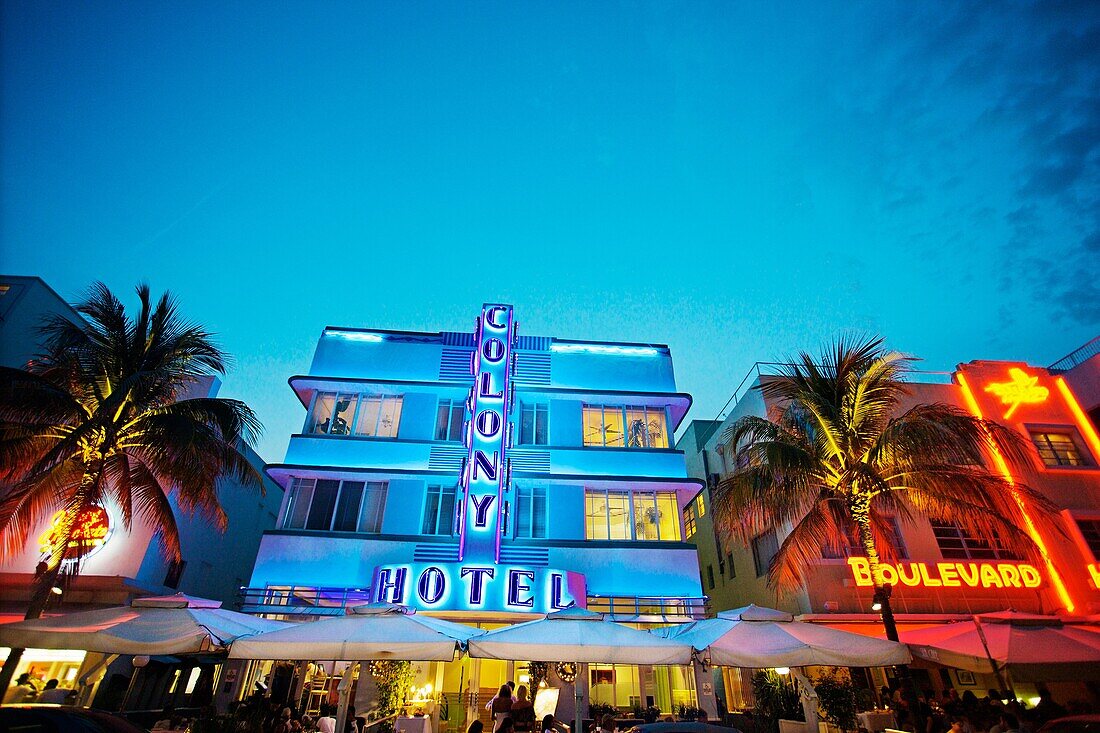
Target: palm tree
(842,457)
(101,417)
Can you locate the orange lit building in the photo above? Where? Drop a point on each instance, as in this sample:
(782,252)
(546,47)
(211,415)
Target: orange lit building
(942,573)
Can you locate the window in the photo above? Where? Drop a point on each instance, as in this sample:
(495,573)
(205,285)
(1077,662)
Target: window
(729,564)
(625,515)
(449,420)
(1090,530)
(338,506)
(954,545)
(846,549)
(534,424)
(530,512)
(1058,449)
(710,576)
(439,510)
(764,549)
(632,427)
(347,414)
(690,518)
(175,572)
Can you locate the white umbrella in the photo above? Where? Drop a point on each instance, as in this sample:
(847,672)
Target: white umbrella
(176,624)
(372,631)
(577,635)
(758,638)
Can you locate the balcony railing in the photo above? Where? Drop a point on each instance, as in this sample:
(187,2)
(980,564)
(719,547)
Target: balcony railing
(1078,357)
(299,600)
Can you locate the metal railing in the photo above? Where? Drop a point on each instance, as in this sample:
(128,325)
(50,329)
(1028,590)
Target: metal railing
(1077,357)
(301,599)
(649,607)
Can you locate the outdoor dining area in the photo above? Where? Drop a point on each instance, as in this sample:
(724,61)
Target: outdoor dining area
(805,677)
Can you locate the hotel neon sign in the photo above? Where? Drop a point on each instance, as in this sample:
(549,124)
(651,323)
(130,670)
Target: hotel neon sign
(478,581)
(949,574)
(90,531)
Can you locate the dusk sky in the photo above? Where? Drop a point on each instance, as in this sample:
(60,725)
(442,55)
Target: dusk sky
(739,181)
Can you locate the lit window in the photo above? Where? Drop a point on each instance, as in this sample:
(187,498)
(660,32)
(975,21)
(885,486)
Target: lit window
(449,420)
(534,424)
(632,427)
(1058,449)
(439,510)
(764,549)
(331,505)
(625,515)
(530,512)
(371,415)
(954,545)
(690,520)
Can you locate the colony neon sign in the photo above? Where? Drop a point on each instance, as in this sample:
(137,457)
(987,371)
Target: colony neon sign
(949,574)
(1020,389)
(478,581)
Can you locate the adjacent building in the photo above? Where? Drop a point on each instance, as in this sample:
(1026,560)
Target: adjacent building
(124,562)
(485,476)
(942,573)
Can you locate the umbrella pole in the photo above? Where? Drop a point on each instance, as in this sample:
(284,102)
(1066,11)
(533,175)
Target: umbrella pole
(129,689)
(992,661)
(344,695)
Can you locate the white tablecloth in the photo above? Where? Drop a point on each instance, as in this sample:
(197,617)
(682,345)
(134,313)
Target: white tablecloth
(876,720)
(406,724)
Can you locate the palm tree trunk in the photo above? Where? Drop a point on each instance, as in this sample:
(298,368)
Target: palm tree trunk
(861,515)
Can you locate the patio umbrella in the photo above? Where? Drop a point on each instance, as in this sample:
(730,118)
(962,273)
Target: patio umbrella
(1027,644)
(756,637)
(372,631)
(176,624)
(578,635)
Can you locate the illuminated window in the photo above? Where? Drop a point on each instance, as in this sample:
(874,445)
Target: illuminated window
(955,545)
(371,415)
(764,549)
(449,419)
(534,424)
(530,512)
(625,515)
(1058,449)
(690,519)
(1090,530)
(632,427)
(439,510)
(330,505)
(701,504)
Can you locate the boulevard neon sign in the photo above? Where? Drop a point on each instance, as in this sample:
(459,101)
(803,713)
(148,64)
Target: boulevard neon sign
(478,581)
(949,574)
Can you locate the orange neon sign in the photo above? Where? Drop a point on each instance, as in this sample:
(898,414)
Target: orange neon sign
(1032,531)
(91,529)
(949,574)
(1094,574)
(1022,388)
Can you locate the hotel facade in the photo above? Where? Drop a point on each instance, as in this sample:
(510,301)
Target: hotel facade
(484,477)
(941,575)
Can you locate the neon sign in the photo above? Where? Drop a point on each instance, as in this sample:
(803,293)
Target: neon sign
(478,581)
(949,574)
(1094,574)
(1021,388)
(91,529)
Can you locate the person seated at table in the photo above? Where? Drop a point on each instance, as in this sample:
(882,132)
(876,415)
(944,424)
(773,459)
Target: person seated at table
(476,727)
(607,724)
(506,725)
(53,694)
(327,722)
(523,712)
(550,724)
(22,691)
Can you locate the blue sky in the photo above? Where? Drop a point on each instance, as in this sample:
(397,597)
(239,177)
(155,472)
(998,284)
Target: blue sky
(739,181)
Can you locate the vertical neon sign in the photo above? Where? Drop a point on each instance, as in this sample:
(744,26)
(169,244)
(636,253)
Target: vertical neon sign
(484,477)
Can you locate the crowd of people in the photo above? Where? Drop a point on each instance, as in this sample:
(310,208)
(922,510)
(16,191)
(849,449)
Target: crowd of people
(259,715)
(25,690)
(997,712)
